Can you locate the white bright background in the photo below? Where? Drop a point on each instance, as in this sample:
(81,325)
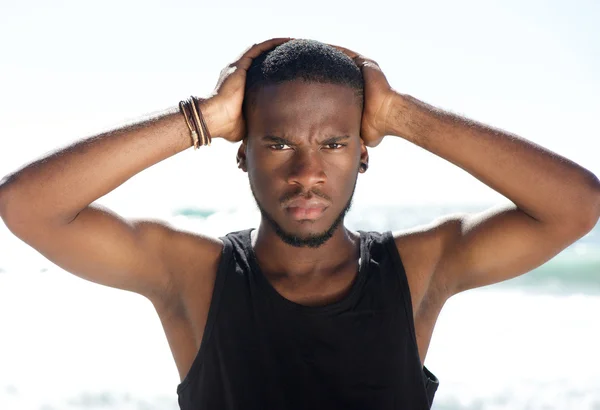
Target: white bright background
(73,69)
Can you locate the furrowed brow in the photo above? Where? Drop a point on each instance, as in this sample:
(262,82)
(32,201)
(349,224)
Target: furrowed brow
(276,140)
(280,140)
(333,140)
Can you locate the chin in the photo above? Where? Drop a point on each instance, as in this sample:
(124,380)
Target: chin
(306,229)
(304,233)
(305,239)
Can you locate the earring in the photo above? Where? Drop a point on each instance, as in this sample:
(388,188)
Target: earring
(364,166)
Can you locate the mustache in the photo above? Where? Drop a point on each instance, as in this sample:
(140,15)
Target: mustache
(299,193)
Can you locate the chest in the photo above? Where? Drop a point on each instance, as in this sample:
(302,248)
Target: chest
(313,292)
(366,346)
(264,349)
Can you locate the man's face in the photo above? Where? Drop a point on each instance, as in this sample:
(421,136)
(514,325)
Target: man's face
(302,156)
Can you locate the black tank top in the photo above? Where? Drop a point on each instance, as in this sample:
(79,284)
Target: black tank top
(263,351)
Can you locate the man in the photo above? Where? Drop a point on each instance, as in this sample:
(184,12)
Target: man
(302,312)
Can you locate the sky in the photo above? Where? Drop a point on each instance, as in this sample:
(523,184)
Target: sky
(74,69)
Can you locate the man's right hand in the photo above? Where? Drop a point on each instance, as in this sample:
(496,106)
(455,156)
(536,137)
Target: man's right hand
(223,109)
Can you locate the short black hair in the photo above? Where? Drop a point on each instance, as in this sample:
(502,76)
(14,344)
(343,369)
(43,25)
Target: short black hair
(300,59)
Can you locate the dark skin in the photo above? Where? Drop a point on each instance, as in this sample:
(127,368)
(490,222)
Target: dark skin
(304,141)
(48,204)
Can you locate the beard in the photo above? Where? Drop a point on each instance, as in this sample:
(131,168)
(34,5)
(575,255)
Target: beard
(314,240)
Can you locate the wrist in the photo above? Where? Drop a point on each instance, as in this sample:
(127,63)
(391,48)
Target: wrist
(211,114)
(399,118)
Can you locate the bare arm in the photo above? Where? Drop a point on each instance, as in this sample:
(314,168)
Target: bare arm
(556,200)
(47,203)
(55,189)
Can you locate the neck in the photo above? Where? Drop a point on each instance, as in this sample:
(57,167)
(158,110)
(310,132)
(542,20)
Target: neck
(278,258)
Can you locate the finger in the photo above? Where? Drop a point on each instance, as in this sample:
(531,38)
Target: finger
(348,52)
(358,58)
(254,51)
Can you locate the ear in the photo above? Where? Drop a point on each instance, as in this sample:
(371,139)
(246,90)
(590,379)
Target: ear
(364,157)
(241,157)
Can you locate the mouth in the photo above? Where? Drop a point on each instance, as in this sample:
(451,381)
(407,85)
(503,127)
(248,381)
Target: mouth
(306,209)
(311,213)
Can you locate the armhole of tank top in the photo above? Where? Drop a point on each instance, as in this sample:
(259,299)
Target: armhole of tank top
(390,243)
(429,380)
(226,257)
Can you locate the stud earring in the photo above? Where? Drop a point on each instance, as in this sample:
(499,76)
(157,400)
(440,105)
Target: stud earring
(364,166)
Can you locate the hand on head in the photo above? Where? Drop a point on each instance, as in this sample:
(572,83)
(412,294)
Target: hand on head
(228,122)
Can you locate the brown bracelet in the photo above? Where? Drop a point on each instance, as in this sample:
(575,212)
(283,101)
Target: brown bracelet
(195,121)
(198,123)
(196,102)
(184,111)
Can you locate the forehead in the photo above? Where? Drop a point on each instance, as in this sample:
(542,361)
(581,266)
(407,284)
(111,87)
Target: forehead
(303,109)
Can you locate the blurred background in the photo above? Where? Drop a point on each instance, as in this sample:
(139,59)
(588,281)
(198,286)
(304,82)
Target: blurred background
(70,70)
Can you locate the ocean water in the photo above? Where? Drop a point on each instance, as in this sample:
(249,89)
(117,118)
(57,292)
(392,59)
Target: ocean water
(528,343)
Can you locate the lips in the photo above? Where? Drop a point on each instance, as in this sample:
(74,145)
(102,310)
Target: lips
(306,209)
(307,203)
(300,214)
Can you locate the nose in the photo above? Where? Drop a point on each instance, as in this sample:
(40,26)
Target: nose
(306,169)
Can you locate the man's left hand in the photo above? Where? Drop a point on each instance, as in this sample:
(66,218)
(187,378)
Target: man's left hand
(378,99)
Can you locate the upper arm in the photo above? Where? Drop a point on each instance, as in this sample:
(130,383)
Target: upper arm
(102,247)
(498,244)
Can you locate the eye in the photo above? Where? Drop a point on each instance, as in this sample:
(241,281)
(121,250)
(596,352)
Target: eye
(335,146)
(278,147)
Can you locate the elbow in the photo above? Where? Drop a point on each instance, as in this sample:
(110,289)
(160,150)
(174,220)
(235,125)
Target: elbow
(5,211)
(10,212)
(590,209)
(3,198)
(596,214)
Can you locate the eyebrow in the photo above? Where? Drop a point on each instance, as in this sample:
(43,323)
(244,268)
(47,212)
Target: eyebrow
(285,141)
